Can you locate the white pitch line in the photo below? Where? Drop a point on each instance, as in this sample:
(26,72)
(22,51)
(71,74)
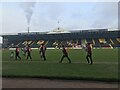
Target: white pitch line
(58,62)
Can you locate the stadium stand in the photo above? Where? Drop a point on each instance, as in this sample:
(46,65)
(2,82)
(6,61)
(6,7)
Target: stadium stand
(98,38)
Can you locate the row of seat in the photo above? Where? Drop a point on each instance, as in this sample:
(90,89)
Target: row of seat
(101,42)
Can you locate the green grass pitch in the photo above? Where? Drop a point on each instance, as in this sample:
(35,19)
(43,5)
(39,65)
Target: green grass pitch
(105,67)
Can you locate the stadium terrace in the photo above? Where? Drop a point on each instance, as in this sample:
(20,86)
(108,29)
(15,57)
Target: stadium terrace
(99,38)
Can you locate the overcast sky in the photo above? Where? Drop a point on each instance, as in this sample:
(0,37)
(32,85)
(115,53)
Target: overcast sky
(45,16)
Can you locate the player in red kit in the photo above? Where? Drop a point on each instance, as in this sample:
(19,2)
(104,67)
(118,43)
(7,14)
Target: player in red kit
(42,51)
(89,53)
(29,52)
(17,50)
(65,54)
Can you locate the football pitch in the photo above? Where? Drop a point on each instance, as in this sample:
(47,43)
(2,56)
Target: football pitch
(104,68)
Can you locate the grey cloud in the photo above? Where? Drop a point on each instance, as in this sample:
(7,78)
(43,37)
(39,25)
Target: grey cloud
(107,14)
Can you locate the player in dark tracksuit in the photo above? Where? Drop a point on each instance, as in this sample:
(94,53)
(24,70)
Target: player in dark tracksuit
(42,51)
(65,54)
(29,53)
(89,53)
(17,50)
